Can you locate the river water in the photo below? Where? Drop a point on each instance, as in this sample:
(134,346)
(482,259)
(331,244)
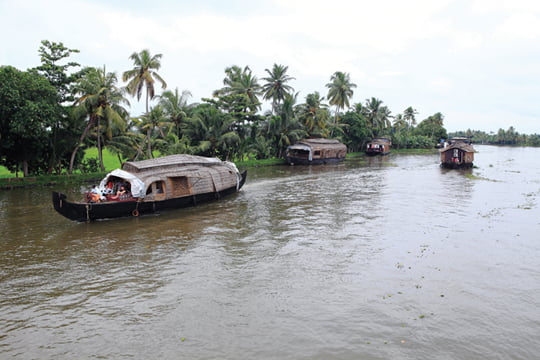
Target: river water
(374,258)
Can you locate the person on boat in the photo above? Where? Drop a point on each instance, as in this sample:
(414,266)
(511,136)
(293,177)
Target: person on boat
(95,194)
(109,187)
(122,193)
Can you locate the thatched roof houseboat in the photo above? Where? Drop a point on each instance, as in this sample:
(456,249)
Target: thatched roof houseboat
(457,153)
(153,185)
(378,146)
(316,151)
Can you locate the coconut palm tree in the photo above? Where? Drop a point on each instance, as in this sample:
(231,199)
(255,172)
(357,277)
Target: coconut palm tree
(99,102)
(211,131)
(378,115)
(153,121)
(175,107)
(339,91)
(275,87)
(284,128)
(314,115)
(144,75)
(409,116)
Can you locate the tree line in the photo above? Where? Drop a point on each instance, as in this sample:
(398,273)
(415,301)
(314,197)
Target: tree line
(51,113)
(501,137)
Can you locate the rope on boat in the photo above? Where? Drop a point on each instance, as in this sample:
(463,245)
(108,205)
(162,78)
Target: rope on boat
(87,212)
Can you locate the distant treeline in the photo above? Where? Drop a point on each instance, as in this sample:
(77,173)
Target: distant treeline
(502,137)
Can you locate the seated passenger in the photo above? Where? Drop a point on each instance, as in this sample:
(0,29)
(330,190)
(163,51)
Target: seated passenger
(95,195)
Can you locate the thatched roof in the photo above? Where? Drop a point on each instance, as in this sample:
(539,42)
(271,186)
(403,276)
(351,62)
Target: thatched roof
(170,161)
(319,143)
(183,165)
(383,141)
(459,145)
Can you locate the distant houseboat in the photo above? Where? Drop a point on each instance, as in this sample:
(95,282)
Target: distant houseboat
(316,151)
(378,146)
(457,153)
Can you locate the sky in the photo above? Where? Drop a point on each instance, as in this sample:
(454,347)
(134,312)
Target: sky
(475,61)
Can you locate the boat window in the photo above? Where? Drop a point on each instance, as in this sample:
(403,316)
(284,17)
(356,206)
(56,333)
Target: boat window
(180,186)
(157,187)
(317,153)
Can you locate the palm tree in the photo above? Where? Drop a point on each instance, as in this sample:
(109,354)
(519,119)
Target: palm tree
(275,87)
(175,107)
(211,131)
(153,120)
(99,100)
(378,115)
(340,91)
(143,74)
(248,87)
(409,116)
(399,123)
(314,115)
(241,91)
(284,128)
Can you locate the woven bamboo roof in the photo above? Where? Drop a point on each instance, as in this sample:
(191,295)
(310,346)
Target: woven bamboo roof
(319,143)
(381,141)
(458,145)
(170,161)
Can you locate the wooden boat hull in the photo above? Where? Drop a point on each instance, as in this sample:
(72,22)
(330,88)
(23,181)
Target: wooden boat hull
(453,165)
(80,211)
(375,153)
(303,161)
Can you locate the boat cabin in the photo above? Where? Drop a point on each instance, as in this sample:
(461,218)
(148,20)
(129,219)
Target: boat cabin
(316,151)
(457,153)
(378,146)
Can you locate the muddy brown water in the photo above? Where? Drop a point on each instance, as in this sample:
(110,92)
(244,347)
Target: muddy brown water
(374,258)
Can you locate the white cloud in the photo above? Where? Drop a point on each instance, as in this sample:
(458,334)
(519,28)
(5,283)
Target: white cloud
(407,53)
(519,26)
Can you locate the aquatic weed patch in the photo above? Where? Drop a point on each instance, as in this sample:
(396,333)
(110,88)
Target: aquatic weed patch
(530,202)
(475,177)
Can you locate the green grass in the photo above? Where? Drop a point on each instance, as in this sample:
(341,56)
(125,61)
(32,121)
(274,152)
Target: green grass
(264,162)
(5,173)
(110,161)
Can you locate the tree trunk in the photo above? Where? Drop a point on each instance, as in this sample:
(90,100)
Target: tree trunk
(148,138)
(25,168)
(83,136)
(100,150)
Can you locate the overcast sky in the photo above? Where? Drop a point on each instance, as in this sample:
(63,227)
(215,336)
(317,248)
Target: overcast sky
(475,61)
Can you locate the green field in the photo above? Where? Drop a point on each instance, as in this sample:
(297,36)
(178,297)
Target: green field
(109,160)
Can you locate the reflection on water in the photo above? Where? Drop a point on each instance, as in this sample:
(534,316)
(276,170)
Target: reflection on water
(373,258)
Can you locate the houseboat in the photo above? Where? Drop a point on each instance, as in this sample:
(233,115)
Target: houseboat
(316,151)
(457,153)
(378,146)
(150,186)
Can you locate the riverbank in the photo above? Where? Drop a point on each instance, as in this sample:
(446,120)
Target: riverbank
(9,183)
(12,182)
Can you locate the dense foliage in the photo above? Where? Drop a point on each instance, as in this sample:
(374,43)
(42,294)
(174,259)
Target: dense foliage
(49,114)
(501,137)
(28,110)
